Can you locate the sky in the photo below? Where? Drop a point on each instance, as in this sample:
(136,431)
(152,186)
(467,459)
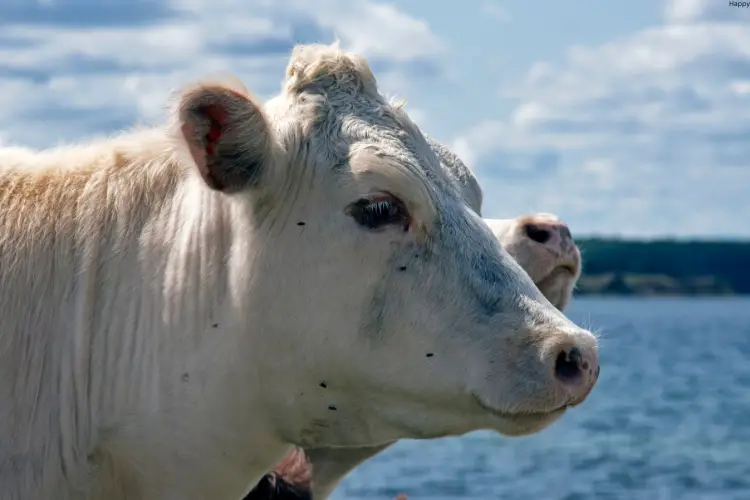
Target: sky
(624,118)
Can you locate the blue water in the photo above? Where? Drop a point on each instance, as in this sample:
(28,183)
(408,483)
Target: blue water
(669,419)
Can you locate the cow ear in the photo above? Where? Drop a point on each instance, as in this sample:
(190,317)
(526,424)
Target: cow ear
(226,134)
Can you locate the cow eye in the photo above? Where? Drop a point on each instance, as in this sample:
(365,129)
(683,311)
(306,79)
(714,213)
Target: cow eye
(376,213)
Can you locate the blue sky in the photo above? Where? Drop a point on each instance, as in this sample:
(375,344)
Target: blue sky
(624,118)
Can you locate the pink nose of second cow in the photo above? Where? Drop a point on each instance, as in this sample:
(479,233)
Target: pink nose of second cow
(554,235)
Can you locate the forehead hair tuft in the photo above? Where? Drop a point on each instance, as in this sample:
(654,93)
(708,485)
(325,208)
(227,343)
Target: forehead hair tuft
(326,67)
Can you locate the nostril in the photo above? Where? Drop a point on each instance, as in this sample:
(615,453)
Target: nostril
(569,365)
(537,233)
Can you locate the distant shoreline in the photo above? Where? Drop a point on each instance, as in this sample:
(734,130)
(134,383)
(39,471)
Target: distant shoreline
(624,284)
(659,295)
(664,268)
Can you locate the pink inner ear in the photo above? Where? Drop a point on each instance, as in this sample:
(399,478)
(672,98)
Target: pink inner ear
(218,117)
(202,150)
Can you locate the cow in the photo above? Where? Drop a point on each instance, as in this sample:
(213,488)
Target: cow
(553,261)
(544,247)
(184,304)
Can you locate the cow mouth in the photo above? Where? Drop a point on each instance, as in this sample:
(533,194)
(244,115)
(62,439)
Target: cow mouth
(531,419)
(567,271)
(524,415)
(565,268)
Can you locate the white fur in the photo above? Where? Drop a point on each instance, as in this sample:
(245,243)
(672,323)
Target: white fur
(543,262)
(163,340)
(329,466)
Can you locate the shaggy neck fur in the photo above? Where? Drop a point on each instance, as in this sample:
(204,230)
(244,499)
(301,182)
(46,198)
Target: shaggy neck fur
(133,234)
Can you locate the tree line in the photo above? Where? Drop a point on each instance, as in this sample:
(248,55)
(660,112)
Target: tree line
(664,267)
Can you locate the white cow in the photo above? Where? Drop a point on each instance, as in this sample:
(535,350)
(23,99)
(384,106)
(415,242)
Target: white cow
(544,247)
(182,305)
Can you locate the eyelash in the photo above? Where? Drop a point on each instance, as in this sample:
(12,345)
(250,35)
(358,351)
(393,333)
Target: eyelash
(375,214)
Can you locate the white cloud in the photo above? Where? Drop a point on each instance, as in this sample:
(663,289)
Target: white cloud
(480,140)
(539,71)
(604,173)
(741,87)
(361,24)
(495,11)
(684,10)
(644,134)
(651,130)
(63,81)
(690,11)
(528,113)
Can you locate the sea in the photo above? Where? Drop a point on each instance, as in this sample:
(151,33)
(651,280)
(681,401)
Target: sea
(668,419)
